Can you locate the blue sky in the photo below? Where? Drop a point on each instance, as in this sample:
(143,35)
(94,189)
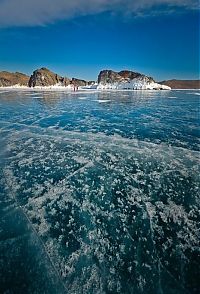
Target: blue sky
(156,37)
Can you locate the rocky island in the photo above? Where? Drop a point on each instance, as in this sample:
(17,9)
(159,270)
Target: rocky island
(127,80)
(44,78)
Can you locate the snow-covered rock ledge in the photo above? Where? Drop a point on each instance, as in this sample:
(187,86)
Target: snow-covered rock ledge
(133,85)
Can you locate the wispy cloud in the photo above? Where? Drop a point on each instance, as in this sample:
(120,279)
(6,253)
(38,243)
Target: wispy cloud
(42,12)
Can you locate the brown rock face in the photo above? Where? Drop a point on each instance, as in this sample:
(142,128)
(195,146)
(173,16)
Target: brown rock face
(127,74)
(44,77)
(8,79)
(110,76)
(182,84)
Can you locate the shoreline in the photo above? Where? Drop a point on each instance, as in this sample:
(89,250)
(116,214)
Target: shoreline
(82,89)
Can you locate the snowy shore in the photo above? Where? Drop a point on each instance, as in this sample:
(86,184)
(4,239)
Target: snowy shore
(69,88)
(82,89)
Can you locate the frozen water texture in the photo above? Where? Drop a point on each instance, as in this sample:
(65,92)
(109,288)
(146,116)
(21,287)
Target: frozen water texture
(106,195)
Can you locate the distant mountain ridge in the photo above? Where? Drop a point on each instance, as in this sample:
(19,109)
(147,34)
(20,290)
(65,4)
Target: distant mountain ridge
(182,84)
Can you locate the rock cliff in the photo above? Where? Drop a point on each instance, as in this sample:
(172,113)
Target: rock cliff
(8,79)
(43,77)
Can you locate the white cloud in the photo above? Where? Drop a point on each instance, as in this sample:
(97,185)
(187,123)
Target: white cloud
(41,12)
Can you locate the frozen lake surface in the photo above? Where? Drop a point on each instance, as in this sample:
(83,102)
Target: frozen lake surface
(99,192)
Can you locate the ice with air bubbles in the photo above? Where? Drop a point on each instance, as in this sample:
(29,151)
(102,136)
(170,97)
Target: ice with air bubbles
(99,192)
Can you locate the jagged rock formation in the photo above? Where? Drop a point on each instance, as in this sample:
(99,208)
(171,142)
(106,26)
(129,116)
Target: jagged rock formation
(126,79)
(182,84)
(43,77)
(8,79)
